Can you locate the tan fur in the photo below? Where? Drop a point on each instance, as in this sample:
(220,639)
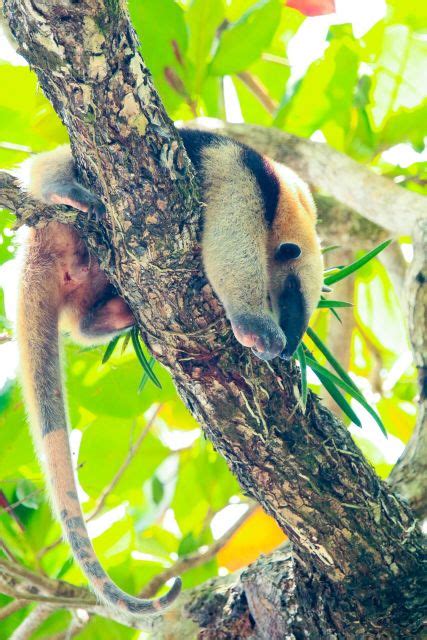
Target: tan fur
(295,222)
(59,280)
(46,168)
(62,286)
(234,231)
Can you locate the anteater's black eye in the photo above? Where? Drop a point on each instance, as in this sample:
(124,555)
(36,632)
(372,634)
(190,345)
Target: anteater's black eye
(287,251)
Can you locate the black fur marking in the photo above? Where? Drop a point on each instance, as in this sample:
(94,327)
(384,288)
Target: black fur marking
(195,141)
(78,542)
(139,607)
(49,419)
(73,495)
(173,593)
(293,314)
(112,593)
(75,523)
(267,180)
(63,514)
(94,569)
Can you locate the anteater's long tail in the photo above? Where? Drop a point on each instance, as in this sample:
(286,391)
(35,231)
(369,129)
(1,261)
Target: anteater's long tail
(37,333)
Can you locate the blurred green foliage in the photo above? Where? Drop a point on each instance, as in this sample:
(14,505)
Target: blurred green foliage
(363,95)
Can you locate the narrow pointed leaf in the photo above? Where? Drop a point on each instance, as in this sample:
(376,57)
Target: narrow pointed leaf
(331,270)
(142,358)
(333,304)
(330,358)
(126,342)
(354,266)
(335,394)
(144,378)
(110,348)
(303,368)
(331,247)
(334,313)
(318,369)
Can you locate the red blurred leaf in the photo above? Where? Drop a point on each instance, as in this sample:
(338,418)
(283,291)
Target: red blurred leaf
(312,7)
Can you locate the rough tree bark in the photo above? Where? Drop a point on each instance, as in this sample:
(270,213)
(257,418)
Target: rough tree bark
(355,570)
(411,469)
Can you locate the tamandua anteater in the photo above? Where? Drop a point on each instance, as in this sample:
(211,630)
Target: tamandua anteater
(261,255)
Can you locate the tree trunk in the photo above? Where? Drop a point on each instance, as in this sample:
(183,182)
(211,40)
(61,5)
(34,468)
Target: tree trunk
(355,570)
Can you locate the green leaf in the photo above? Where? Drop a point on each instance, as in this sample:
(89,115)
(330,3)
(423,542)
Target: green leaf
(303,369)
(333,391)
(405,125)
(399,56)
(125,342)
(144,378)
(7,248)
(108,441)
(331,247)
(323,99)
(27,118)
(333,304)
(162,31)
(143,359)
(351,268)
(203,19)
(65,567)
(28,494)
(350,389)
(188,544)
(244,41)
(335,314)
(410,12)
(110,349)
(157,490)
(330,358)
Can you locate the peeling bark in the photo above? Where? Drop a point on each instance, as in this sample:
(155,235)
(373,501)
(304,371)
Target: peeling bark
(358,547)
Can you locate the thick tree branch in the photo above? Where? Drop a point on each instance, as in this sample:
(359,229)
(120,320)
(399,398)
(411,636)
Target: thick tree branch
(304,469)
(31,623)
(260,603)
(337,223)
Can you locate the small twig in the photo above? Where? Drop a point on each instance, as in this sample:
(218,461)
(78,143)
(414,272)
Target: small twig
(195,559)
(270,57)
(257,88)
(31,623)
(12,607)
(5,337)
(10,507)
(131,454)
(78,621)
(7,552)
(108,490)
(14,576)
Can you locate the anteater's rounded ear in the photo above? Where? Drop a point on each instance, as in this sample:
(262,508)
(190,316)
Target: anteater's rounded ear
(287,251)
